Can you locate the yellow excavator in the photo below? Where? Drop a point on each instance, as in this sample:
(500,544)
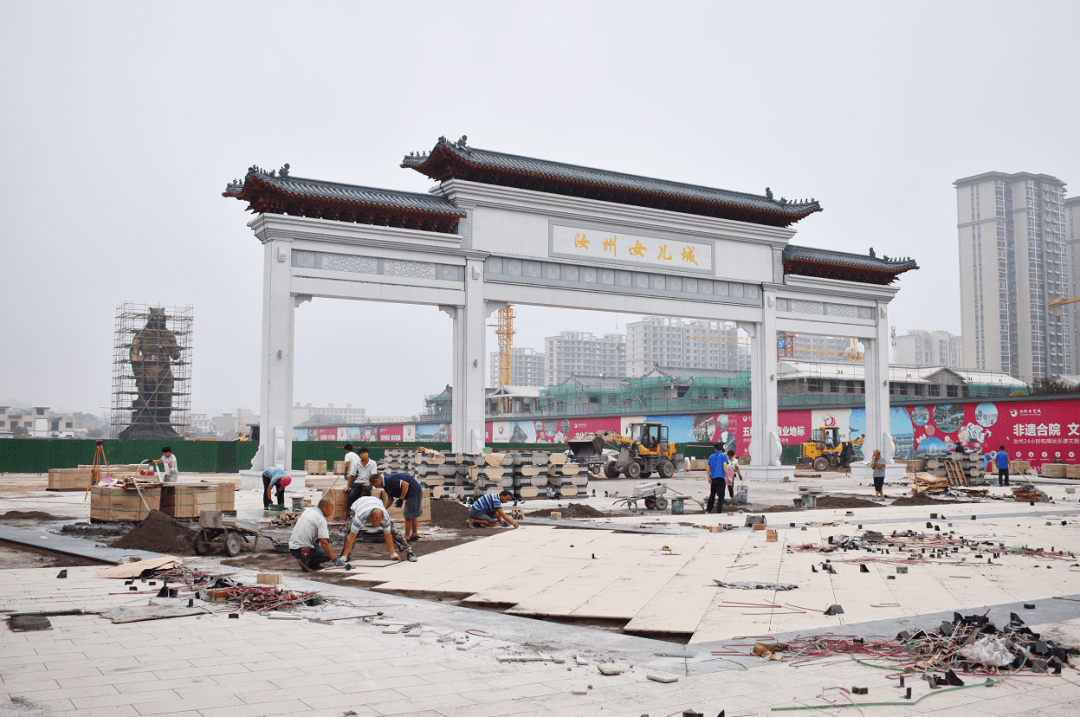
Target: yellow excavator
(825,450)
(644,450)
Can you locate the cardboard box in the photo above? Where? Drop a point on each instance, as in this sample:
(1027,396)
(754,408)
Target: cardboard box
(187,500)
(759,526)
(268,579)
(113,505)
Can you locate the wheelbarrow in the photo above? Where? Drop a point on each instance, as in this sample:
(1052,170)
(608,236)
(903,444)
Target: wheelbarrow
(651,494)
(233,533)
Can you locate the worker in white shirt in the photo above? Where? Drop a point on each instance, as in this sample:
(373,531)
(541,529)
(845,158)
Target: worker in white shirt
(364,468)
(310,539)
(168,461)
(370,516)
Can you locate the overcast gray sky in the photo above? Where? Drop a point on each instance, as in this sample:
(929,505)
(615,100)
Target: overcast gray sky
(123,122)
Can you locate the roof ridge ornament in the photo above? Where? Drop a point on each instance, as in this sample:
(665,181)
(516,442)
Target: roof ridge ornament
(768,193)
(872,254)
(284,171)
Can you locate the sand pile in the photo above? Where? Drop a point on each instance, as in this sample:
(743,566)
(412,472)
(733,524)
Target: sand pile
(159,533)
(830,501)
(30,515)
(574,510)
(449,514)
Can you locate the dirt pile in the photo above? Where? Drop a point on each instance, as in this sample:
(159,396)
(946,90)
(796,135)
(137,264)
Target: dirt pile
(449,514)
(30,515)
(919,500)
(159,533)
(573,510)
(830,501)
(93,531)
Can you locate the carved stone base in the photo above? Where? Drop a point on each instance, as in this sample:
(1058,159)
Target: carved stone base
(772,474)
(149,432)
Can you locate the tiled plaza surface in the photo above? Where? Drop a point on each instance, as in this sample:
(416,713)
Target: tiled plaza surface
(254,665)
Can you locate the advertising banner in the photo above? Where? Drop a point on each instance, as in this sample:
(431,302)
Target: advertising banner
(326,434)
(408,432)
(391,434)
(433,432)
(1039,432)
(300,434)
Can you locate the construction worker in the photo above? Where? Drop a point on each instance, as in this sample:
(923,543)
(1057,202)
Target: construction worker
(310,529)
(877,464)
(362,471)
(369,515)
(274,478)
(487,510)
(717,478)
(732,470)
(1002,460)
(168,461)
(407,492)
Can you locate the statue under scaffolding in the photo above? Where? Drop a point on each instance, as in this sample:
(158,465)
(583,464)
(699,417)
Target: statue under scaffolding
(151,372)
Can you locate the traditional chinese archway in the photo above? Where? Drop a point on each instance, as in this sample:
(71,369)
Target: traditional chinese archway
(502,229)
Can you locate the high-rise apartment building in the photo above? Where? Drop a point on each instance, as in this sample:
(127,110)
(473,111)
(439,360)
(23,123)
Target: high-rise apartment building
(1071,312)
(929,348)
(582,354)
(526,367)
(1012,262)
(822,349)
(679,343)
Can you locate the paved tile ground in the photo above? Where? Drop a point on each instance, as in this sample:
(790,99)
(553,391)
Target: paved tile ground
(211,665)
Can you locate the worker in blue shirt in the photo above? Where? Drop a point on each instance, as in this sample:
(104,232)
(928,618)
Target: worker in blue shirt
(717,478)
(1003,466)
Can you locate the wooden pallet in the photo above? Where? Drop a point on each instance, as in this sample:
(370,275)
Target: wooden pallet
(955,473)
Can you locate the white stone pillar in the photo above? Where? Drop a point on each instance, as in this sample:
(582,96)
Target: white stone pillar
(877,401)
(457,376)
(764,411)
(276,388)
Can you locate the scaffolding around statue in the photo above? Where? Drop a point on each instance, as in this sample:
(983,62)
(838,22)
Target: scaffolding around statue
(151,372)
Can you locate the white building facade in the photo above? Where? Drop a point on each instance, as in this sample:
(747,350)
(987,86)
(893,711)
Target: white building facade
(527,367)
(675,343)
(929,348)
(1012,263)
(579,353)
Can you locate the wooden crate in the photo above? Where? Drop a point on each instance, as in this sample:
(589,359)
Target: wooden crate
(68,479)
(1054,470)
(340,467)
(112,505)
(226,497)
(1072,471)
(317,468)
(187,500)
(340,497)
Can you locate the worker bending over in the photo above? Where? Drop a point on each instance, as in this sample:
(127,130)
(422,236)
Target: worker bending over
(168,461)
(370,515)
(310,539)
(274,478)
(405,489)
(487,510)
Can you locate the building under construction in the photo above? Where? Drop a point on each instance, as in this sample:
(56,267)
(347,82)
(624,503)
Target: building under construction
(151,372)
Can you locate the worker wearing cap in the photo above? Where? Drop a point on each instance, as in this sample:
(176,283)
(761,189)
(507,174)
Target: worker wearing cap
(487,510)
(274,478)
(407,492)
(369,515)
(309,542)
(359,473)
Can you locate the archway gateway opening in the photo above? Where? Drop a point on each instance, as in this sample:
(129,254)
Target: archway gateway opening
(503,229)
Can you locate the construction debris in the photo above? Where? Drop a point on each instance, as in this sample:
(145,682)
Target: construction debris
(756,586)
